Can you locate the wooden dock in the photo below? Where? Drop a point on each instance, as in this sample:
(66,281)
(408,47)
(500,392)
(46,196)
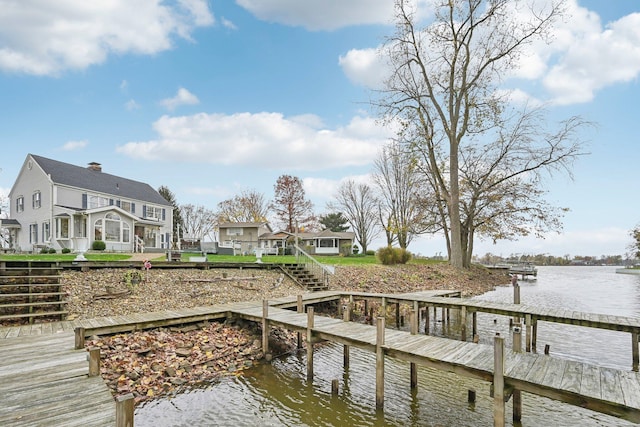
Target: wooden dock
(43,378)
(44,382)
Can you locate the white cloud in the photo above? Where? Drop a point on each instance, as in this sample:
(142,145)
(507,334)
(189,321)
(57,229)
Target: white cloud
(74,145)
(47,39)
(321,14)
(228,24)
(183,97)
(267,140)
(131,105)
(324,189)
(581,59)
(366,67)
(595,58)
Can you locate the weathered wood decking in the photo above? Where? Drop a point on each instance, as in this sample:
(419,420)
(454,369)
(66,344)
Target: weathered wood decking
(44,382)
(41,374)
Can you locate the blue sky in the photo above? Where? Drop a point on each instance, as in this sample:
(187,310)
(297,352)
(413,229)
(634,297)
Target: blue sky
(211,98)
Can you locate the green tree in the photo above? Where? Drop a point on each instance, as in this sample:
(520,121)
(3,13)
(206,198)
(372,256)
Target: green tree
(334,221)
(177,216)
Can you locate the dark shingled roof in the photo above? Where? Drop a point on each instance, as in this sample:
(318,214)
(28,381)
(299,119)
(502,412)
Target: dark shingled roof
(93,180)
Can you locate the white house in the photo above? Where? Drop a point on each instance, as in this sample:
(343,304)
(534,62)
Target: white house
(59,205)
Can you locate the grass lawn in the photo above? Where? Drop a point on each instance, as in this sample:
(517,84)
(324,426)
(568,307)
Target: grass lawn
(330,260)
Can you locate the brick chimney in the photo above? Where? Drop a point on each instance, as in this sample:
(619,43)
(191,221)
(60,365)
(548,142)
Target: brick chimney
(95,166)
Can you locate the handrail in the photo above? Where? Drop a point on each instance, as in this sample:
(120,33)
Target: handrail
(139,244)
(312,265)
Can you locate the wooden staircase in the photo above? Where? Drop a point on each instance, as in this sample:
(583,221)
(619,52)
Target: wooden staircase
(301,275)
(31,290)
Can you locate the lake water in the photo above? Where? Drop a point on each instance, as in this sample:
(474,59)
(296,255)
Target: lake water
(278,394)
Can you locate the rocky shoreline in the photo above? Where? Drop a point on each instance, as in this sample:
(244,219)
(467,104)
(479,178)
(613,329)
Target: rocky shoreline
(165,361)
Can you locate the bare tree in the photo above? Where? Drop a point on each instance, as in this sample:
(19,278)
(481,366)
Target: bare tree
(291,206)
(443,87)
(248,206)
(197,221)
(399,185)
(359,205)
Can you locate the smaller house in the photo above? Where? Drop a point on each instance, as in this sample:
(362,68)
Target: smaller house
(325,242)
(237,238)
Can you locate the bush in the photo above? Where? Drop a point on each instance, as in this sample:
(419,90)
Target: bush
(65,250)
(98,245)
(370,252)
(52,251)
(390,256)
(44,250)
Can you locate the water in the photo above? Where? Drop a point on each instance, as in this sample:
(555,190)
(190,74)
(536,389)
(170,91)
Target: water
(278,394)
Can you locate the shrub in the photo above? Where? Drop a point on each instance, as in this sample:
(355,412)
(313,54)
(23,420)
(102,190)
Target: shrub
(98,245)
(65,250)
(390,256)
(52,251)
(44,250)
(370,252)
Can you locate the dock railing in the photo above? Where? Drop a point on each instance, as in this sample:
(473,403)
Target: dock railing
(312,265)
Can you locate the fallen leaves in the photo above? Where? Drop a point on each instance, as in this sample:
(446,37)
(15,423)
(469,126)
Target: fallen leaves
(163,362)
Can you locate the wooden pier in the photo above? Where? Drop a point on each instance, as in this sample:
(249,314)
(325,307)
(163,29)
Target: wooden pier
(43,377)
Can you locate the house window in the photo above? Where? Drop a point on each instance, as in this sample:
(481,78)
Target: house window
(45,232)
(112,229)
(33,233)
(20,204)
(154,212)
(98,202)
(327,243)
(36,200)
(234,231)
(62,228)
(126,206)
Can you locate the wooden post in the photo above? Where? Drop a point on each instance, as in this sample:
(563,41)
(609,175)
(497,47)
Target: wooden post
(380,363)
(79,338)
(426,320)
(635,355)
(346,316)
(265,327)
(366,307)
(534,332)
(334,387)
(310,343)
(397,307)
(546,349)
(527,320)
(124,410)
(517,394)
(474,323)
(413,321)
(383,307)
(498,381)
(463,323)
(300,308)
(94,361)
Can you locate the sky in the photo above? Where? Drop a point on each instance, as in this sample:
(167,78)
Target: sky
(210,98)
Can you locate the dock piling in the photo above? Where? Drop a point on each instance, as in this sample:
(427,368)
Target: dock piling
(635,354)
(310,343)
(94,361)
(124,410)
(380,363)
(517,394)
(498,381)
